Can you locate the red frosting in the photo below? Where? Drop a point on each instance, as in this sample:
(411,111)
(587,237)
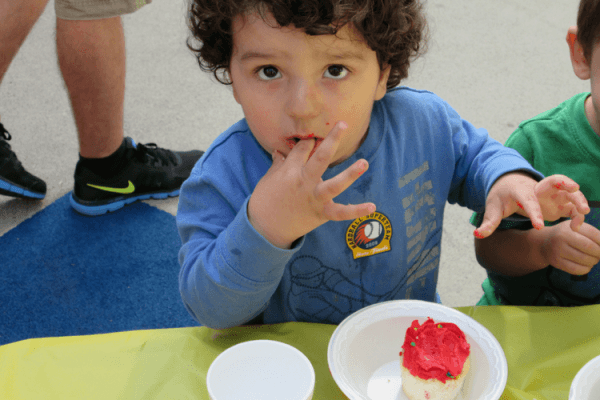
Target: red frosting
(435,350)
(293,140)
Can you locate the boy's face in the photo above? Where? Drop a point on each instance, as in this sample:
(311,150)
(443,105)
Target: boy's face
(594,108)
(587,69)
(293,86)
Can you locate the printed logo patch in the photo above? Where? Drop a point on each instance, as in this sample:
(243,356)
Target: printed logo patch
(129,189)
(369,235)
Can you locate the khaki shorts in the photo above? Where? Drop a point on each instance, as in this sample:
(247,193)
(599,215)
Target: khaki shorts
(96,9)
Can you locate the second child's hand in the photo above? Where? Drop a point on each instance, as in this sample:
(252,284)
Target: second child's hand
(574,252)
(292,199)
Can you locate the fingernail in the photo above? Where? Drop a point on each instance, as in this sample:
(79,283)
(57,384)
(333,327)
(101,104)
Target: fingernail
(363,167)
(343,125)
(372,208)
(477,234)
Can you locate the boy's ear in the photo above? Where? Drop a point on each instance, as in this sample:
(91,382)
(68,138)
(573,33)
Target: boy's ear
(235,96)
(382,85)
(580,64)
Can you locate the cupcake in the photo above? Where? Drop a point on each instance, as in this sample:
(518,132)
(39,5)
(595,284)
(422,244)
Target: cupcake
(435,360)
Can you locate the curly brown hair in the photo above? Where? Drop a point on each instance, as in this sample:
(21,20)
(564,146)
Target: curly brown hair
(395,29)
(588,26)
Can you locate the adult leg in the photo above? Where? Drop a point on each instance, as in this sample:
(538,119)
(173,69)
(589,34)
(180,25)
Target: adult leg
(111,171)
(91,56)
(16,20)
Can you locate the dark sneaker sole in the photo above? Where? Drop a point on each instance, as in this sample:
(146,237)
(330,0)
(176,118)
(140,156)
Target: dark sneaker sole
(116,204)
(10,189)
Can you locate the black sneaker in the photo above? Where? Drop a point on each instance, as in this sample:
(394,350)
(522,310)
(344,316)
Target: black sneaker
(14,180)
(150,172)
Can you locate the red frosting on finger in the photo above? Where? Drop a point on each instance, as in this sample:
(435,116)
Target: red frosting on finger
(435,350)
(477,234)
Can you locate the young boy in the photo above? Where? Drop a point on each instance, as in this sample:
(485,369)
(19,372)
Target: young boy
(530,267)
(274,226)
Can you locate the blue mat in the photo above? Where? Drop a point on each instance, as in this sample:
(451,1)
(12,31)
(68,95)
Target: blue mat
(64,274)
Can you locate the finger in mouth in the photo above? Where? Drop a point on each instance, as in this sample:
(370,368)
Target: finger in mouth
(294,140)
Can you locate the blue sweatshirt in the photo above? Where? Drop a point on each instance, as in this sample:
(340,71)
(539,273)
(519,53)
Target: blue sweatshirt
(421,154)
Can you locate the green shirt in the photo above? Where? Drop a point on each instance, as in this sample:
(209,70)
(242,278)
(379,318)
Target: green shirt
(558,141)
(561,141)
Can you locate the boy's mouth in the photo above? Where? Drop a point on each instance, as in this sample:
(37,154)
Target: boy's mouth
(291,141)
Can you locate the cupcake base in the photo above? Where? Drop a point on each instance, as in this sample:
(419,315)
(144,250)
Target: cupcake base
(432,389)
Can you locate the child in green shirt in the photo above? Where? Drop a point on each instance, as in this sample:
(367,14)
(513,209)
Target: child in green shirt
(537,267)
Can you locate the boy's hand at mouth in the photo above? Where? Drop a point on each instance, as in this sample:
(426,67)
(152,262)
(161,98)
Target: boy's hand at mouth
(292,199)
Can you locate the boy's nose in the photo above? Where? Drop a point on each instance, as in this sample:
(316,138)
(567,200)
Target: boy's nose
(305,100)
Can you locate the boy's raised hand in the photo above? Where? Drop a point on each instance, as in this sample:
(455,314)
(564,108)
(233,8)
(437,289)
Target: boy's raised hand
(292,199)
(553,197)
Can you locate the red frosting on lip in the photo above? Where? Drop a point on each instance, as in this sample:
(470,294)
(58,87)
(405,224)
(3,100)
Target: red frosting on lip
(291,142)
(437,353)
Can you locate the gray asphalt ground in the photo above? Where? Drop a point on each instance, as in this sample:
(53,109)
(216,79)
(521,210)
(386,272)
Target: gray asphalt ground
(496,62)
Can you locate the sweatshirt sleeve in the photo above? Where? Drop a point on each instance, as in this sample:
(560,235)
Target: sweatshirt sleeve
(479,161)
(228,270)
(519,142)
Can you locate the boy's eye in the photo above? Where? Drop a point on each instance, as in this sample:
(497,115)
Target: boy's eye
(336,72)
(268,73)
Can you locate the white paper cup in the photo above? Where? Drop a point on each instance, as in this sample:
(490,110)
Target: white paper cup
(261,369)
(586,385)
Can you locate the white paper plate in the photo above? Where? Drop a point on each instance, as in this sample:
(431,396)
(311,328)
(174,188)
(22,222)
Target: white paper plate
(586,385)
(363,353)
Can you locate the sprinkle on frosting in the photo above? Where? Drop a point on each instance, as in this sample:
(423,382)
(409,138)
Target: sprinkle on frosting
(435,350)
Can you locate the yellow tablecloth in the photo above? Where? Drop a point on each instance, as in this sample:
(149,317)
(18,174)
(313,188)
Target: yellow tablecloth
(544,346)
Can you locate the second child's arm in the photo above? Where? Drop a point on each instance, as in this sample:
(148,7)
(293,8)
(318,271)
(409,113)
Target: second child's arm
(515,252)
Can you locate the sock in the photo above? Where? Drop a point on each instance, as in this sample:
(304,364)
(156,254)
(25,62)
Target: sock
(107,166)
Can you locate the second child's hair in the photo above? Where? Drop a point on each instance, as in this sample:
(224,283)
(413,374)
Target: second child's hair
(394,29)
(588,26)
